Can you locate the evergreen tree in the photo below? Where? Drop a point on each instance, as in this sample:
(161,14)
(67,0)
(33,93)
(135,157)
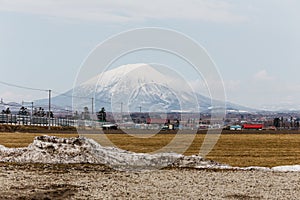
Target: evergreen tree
(276,122)
(102,115)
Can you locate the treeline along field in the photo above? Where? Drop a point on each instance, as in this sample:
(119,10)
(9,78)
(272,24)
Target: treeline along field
(255,148)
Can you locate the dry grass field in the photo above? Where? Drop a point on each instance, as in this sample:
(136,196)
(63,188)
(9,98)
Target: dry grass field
(251,149)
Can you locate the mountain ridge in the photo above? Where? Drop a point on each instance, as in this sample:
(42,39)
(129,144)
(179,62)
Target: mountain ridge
(137,85)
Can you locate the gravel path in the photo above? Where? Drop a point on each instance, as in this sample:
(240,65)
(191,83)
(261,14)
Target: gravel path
(75,181)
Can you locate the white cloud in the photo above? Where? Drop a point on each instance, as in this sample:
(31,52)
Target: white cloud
(263,75)
(122,11)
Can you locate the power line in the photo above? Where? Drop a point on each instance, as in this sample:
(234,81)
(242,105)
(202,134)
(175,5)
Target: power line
(23,87)
(44,90)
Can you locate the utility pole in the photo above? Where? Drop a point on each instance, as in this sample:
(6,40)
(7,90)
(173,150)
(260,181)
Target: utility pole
(121,111)
(92,105)
(31,109)
(49,109)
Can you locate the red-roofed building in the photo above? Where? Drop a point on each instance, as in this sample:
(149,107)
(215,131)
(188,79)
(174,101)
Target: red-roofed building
(253,126)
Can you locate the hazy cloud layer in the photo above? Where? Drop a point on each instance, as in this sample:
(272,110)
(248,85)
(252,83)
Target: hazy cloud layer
(122,11)
(263,75)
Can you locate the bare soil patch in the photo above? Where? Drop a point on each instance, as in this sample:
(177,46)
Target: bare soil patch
(84,181)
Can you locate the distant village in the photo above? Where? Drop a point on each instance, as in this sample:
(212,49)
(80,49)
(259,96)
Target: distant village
(235,120)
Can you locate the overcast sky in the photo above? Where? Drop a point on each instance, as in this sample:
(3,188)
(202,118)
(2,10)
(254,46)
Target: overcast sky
(254,43)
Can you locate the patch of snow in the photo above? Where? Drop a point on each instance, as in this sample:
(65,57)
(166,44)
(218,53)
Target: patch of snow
(2,148)
(51,149)
(287,168)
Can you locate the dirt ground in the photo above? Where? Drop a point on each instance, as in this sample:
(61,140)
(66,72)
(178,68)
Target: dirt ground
(86,181)
(83,181)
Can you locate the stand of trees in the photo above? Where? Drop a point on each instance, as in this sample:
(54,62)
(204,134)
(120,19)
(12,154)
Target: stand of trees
(281,123)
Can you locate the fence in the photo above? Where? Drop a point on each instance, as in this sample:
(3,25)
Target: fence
(44,121)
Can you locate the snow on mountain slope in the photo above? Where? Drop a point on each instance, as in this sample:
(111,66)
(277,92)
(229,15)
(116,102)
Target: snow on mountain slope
(136,86)
(139,85)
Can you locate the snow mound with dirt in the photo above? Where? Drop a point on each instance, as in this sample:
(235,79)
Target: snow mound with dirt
(55,150)
(51,149)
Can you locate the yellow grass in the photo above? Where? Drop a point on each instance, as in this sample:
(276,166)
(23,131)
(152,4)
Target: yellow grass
(24,139)
(234,149)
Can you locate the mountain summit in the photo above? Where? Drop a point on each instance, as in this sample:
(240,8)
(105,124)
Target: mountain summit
(136,87)
(139,86)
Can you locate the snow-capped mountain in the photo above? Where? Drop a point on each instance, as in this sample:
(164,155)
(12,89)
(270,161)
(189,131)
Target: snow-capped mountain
(136,87)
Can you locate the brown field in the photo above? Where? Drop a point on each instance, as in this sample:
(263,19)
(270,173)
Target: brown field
(255,148)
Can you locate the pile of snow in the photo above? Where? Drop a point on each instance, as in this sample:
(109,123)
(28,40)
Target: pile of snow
(51,149)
